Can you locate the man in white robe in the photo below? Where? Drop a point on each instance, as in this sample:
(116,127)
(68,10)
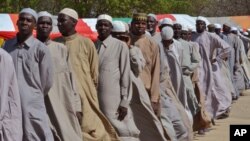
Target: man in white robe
(215,104)
(10,106)
(190,61)
(172,109)
(114,80)
(32,61)
(152,27)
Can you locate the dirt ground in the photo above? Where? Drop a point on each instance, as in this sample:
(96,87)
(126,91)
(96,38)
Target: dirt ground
(240,114)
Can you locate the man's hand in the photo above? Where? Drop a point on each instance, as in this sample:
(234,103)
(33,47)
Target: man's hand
(79,117)
(122,112)
(213,60)
(156,106)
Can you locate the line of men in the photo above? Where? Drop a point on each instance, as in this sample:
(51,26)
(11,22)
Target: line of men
(127,86)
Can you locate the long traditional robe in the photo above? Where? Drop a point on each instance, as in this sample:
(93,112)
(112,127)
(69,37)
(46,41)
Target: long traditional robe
(234,62)
(208,42)
(151,72)
(84,60)
(33,67)
(63,102)
(245,65)
(246,42)
(114,85)
(172,108)
(143,113)
(190,61)
(157,37)
(10,106)
(222,86)
(201,119)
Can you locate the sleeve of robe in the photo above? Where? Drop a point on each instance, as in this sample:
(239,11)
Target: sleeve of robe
(93,61)
(8,87)
(155,89)
(195,58)
(219,43)
(125,75)
(137,61)
(77,98)
(45,68)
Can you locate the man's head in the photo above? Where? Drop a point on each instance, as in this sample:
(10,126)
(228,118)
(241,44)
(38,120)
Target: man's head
(200,24)
(167,34)
(26,21)
(177,30)
(139,24)
(226,28)
(151,23)
(66,21)
(217,28)
(44,24)
(104,26)
(234,30)
(246,34)
(211,28)
(119,31)
(165,22)
(185,33)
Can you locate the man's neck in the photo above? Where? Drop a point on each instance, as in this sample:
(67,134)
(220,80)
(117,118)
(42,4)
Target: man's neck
(70,33)
(42,38)
(102,38)
(22,38)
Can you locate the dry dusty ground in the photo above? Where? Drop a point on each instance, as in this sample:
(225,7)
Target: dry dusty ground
(240,114)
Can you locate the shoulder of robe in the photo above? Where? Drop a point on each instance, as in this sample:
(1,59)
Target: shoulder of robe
(153,43)
(5,56)
(87,42)
(9,43)
(58,44)
(59,39)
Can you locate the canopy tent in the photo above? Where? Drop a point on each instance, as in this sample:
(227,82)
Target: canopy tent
(8,27)
(237,21)
(86,26)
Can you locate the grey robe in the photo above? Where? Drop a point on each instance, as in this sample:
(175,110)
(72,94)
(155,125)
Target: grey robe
(173,112)
(63,102)
(34,75)
(144,116)
(157,37)
(234,62)
(245,65)
(10,106)
(114,84)
(190,61)
(208,43)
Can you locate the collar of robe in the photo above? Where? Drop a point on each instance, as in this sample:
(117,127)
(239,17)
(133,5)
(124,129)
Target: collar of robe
(27,43)
(71,37)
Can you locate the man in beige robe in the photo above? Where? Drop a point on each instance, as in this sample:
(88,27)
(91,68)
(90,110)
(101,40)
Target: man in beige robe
(10,105)
(62,102)
(84,60)
(151,72)
(114,80)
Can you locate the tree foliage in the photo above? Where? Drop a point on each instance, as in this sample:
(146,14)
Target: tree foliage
(125,8)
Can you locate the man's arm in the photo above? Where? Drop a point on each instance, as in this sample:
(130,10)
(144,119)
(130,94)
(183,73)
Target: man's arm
(45,69)
(93,61)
